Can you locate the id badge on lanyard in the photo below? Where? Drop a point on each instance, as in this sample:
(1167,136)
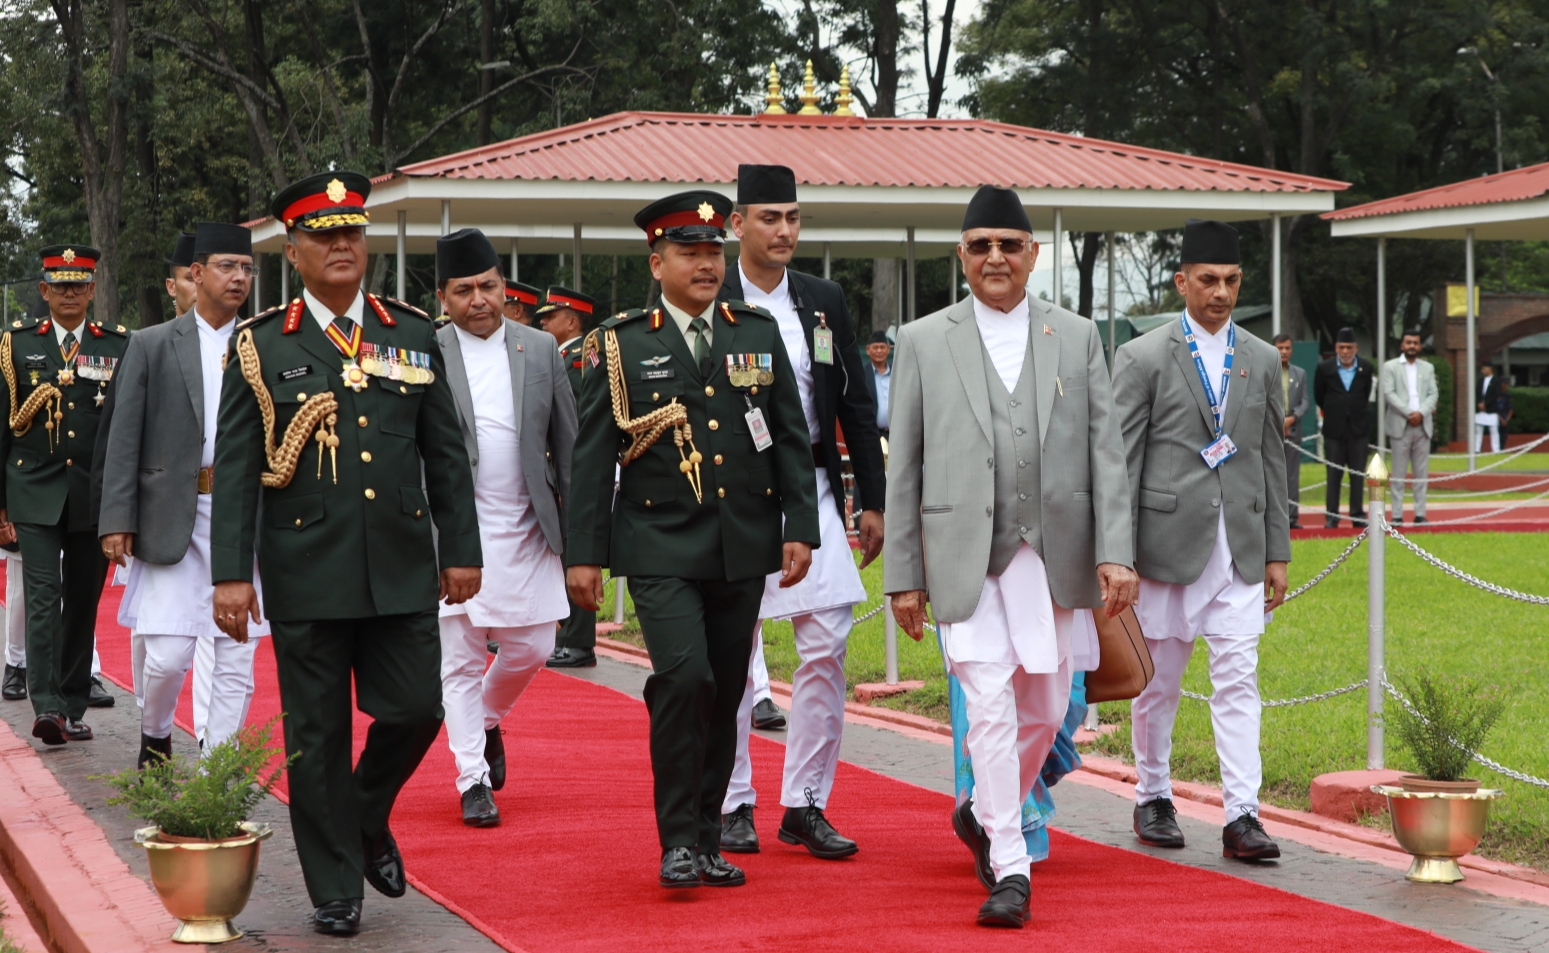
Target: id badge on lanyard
(1219,450)
(822,341)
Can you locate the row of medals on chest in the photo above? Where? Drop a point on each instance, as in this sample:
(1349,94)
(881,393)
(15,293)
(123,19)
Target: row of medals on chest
(87,368)
(373,361)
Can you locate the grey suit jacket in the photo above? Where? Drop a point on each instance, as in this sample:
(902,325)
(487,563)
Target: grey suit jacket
(940,500)
(1395,395)
(545,413)
(1300,401)
(1177,498)
(150,467)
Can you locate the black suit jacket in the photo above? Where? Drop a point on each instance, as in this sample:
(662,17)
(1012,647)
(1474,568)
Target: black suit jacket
(1345,413)
(1489,394)
(839,388)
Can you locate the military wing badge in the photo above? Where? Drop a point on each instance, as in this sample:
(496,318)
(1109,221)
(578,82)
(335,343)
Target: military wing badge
(657,361)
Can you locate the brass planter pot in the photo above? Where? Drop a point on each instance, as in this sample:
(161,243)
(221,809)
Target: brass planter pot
(1437,828)
(204,883)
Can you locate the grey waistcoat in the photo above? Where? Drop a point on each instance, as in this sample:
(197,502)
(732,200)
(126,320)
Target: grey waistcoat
(1014,421)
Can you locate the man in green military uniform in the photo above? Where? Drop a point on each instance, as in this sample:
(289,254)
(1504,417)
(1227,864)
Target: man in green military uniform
(567,315)
(54,374)
(698,402)
(335,412)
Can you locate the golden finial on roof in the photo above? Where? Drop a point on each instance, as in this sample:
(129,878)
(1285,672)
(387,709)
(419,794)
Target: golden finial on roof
(844,99)
(809,95)
(775,101)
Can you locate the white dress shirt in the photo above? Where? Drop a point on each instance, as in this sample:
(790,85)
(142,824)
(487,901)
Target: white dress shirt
(778,303)
(1412,377)
(212,351)
(1212,350)
(1005,338)
(325,317)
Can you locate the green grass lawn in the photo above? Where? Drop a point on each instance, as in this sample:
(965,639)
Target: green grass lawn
(1532,467)
(1318,642)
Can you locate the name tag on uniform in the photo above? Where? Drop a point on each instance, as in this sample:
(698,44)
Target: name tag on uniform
(660,374)
(296,373)
(822,342)
(759,429)
(1219,451)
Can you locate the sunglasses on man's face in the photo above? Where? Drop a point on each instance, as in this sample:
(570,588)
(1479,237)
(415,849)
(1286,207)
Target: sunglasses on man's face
(980,247)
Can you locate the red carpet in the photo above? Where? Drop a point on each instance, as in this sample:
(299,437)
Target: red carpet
(572,867)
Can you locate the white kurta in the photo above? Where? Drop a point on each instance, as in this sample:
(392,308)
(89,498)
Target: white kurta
(179,599)
(1017,623)
(524,579)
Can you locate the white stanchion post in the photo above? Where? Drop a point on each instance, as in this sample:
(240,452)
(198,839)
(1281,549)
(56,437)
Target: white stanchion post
(1376,607)
(1091,722)
(618,600)
(890,640)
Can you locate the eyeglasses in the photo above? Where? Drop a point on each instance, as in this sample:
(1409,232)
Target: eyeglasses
(980,247)
(229,267)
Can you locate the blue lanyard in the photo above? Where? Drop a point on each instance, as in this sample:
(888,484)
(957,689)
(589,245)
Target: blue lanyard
(1199,365)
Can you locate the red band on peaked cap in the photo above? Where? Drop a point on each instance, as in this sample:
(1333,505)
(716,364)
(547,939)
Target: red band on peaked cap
(81,262)
(525,297)
(562,301)
(314,203)
(679,219)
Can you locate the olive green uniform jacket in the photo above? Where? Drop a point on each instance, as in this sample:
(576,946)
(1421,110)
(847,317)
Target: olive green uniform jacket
(658,527)
(357,543)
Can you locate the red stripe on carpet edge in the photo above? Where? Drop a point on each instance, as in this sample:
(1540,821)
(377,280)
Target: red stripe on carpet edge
(434,842)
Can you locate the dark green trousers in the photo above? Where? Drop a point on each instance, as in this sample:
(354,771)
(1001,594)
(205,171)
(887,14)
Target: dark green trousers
(578,630)
(700,635)
(62,574)
(396,664)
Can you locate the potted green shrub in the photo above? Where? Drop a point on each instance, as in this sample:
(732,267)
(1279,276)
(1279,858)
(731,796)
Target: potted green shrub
(202,849)
(1439,814)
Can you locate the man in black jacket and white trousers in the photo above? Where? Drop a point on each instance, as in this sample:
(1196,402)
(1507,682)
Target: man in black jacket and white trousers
(820,340)
(1342,388)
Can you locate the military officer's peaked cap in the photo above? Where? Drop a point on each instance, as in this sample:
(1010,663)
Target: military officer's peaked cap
(69,264)
(526,294)
(1207,242)
(686,218)
(183,251)
(558,297)
(222,238)
(993,207)
(327,200)
(765,185)
(463,254)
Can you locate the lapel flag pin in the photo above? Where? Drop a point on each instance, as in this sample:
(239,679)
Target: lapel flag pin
(1047,329)
(1244,372)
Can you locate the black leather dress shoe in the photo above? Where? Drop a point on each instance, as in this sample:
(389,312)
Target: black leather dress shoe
(384,865)
(680,868)
(1245,839)
(738,835)
(153,750)
(1330,523)
(1296,526)
(1156,823)
(14,687)
(1007,905)
(495,757)
(767,716)
(77,730)
(100,697)
(572,658)
(340,917)
(49,727)
(808,827)
(1358,520)
(714,871)
(479,808)
(1421,519)
(972,834)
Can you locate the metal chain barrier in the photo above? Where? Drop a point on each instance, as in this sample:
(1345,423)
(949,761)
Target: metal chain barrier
(1457,573)
(1303,700)
(862,618)
(1338,560)
(1493,765)
(1458,475)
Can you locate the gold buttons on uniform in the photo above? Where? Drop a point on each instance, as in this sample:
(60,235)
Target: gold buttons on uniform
(718,459)
(418,513)
(768,492)
(365,456)
(655,396)
(302,397)
(753,389)
(370,493)
(71,405)
(647,502)
(721,491)
(70,433)
(715,424)
(361,421)
(69,463)
(709,391)
(402,389)
(298,522)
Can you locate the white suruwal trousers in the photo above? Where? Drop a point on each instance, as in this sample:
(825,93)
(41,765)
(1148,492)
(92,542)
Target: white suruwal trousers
(821,610)
(476,699)
(1229,614)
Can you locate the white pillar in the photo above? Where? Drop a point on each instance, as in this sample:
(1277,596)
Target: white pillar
(1376,614)
(1275,294)
(889,642)
(284,278)
(575,267)
(828,260)
(909,277)
(952,276)
(1382,336)
(446,216)
(516,271)
(256,298)
(1059,258)
(1113,308)
(403,254)
(1473,367)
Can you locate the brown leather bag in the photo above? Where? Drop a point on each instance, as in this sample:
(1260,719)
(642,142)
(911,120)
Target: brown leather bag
(1124,666)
